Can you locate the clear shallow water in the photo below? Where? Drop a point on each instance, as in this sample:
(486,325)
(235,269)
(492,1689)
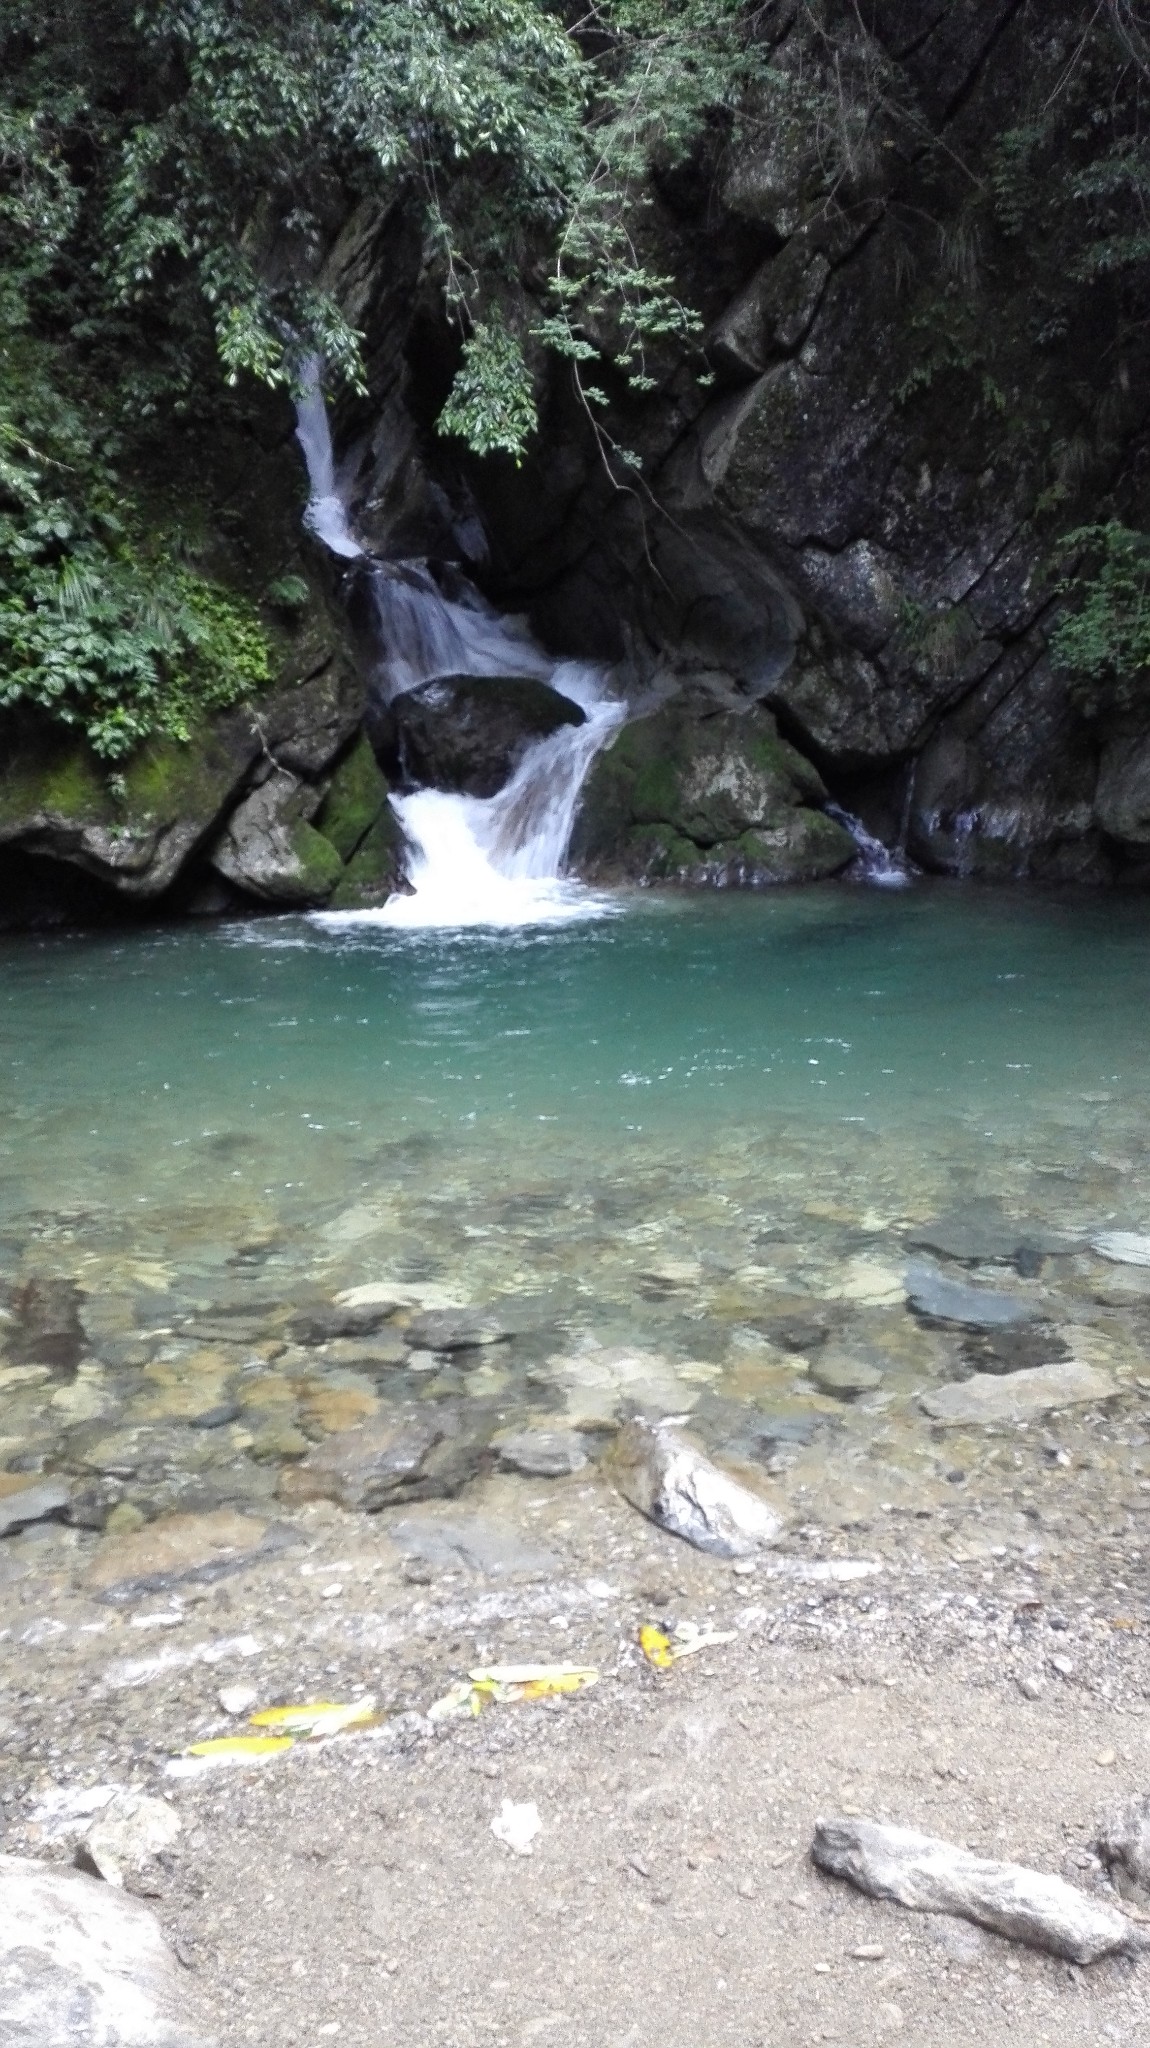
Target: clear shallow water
(657,1128)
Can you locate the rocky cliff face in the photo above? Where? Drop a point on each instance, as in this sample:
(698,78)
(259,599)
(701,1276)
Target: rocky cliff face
(833,576)
(915,397)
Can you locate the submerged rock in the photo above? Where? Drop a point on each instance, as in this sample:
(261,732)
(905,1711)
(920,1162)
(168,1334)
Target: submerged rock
(835,1372)
(667,1477)
(543,1453)
(981,1233)
(391,1458)
(82,1966)
(174,1549)
(599,1385)
(26,1498)
(934,1294)
(481,1543)
(327,1320)
(1018,1396)
(933,1876)
(455,1329)
(47,1328)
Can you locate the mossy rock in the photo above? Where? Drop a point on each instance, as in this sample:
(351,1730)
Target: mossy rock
(678,793)
(354,801)
(373,872)
(320,866)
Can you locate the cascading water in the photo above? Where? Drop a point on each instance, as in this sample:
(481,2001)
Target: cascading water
(326,513)
(473,861)
(883,867)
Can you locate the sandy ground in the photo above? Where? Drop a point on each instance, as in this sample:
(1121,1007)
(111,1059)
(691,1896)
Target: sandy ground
(354,1891)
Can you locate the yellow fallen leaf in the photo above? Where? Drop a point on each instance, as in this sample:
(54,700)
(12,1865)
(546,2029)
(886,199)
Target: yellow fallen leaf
(316,1717)
(462,1698)
(656,1646)
(242,1745)
(535,1681)
(506,1683)
(663,1650)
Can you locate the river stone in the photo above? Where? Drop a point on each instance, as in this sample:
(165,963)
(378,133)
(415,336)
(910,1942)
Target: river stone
(381,1353)
(934,1294)
(128,1835)
(328,1320)
(980,1233)
(1125,1247)
(598,1385)
(933,1876)
(667,1477)
(84,1966)
(26,1498)
(174,1549)
(1013,1349)
(407,1456)
(468,734)
(455,1329)
(743,1432)
(543,1453)
(1124,1846)
(1018,1396)
(47,1330)
(480,1542)
(845,1377)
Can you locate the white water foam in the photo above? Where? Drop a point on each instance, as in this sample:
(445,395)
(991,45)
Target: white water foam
(497,860)
(882,867)
(326,513)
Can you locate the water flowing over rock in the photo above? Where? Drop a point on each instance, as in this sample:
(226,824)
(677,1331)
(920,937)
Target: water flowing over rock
(468,734)
(932,1876)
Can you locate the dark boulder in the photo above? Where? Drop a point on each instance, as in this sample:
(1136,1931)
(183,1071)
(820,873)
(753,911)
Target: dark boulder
(467,734)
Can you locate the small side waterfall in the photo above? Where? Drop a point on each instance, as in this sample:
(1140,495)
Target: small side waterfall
(882,867)
(473,861)
(326,514)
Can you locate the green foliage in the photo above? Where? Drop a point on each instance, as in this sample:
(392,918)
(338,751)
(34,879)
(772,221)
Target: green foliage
(1103,641)
(103,627)
(289,593)
(491,405)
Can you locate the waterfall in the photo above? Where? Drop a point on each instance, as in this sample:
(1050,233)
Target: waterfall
(471,861)
(326,514)
(883,867)
(498,860)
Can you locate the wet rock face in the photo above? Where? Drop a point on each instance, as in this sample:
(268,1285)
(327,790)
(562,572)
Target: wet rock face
(855,529)
(696,794)
(468,734)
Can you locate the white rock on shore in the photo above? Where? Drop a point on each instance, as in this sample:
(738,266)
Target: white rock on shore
(932,1876)
(667,1477)
(82,1966)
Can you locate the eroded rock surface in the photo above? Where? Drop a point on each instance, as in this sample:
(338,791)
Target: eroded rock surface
(83,1966)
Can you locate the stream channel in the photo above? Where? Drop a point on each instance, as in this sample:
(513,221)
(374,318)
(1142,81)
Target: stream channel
(684,1151)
